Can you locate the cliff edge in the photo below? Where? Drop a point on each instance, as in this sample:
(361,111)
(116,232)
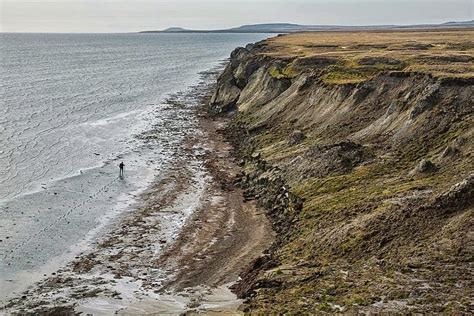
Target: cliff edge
(359,146)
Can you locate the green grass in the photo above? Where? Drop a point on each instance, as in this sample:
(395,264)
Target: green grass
(428,51)
(350,71)
(287,72)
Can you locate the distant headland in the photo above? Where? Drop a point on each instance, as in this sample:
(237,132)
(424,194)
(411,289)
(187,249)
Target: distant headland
(291,28)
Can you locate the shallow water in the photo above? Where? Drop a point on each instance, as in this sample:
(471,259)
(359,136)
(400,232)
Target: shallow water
(71,107)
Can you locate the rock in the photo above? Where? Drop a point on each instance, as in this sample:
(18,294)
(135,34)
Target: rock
(448,152)
(459,195)
(249,46)
(460,141)
(249,278)
(426,102)
(425,166)
(296,138)
(238,53)
(321,160)
(314,62)
(244,71)
(378,60)
(256,156)
(266,283)
(362,91)
(262,88)
(227,93)
(407,97)
(393,107)
(298,205)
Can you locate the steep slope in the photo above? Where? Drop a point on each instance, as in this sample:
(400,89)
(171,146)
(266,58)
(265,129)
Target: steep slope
(362,155)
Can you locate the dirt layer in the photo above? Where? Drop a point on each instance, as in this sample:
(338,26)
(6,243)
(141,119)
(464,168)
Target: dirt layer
(364,167)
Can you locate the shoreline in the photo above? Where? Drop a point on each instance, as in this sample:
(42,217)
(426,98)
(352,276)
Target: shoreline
(144,261)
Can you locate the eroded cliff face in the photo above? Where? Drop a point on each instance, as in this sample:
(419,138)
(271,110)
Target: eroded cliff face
(369,185)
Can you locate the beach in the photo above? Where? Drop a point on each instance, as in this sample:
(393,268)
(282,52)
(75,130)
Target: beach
(183,243)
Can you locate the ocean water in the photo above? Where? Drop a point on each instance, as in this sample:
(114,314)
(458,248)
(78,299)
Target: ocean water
(71,106)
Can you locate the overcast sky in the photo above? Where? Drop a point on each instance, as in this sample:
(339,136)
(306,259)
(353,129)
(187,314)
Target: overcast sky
(137,15)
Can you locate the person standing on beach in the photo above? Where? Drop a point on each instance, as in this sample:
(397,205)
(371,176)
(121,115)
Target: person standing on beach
(121,165)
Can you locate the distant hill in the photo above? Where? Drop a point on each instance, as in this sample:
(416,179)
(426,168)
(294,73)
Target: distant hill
(269,27)
(174,29)
(291,28)
(465,23)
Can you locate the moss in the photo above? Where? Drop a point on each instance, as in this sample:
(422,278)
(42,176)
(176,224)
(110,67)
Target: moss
(351,243)
(399,294)
(357,237)
(325,307)
(427,51)
(288,72)
(350,71)
(275,72)
(343,75)
(356,299)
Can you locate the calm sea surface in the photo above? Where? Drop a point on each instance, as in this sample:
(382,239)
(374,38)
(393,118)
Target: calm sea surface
(70,108)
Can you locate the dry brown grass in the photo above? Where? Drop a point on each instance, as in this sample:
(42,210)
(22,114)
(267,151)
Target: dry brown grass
(361,55)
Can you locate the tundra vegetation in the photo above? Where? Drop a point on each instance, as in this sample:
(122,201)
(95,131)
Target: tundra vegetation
(359,146)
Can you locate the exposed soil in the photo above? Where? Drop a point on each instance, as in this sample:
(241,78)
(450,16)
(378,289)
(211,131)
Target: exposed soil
(367,179)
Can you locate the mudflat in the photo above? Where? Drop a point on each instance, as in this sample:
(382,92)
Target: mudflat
(145,264)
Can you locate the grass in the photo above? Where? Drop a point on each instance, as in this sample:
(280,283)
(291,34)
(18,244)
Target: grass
(282,73)
(441,53)
(365,236)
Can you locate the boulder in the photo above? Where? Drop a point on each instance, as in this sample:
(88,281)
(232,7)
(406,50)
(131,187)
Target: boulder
(427,101)
(370,61)
(296,138)
(425,166)
(227,93)
(449,152)
(323,160)
(459,195)
(256,156)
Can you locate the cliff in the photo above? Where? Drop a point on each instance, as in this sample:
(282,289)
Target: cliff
(362,157)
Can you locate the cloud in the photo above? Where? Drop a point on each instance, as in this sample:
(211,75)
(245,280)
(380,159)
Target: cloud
(136,15)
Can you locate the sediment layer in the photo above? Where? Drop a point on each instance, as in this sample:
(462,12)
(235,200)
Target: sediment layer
(364,166)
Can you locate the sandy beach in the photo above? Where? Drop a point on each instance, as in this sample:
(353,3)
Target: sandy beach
(180,249)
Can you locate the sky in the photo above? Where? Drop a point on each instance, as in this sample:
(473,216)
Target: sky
(105,16)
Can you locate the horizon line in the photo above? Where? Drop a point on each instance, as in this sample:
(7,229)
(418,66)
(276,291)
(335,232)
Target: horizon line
(223,31)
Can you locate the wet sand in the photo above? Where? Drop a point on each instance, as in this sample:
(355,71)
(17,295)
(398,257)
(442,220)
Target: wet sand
(179,250)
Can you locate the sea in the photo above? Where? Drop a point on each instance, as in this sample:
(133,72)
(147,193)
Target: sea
(71,107)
